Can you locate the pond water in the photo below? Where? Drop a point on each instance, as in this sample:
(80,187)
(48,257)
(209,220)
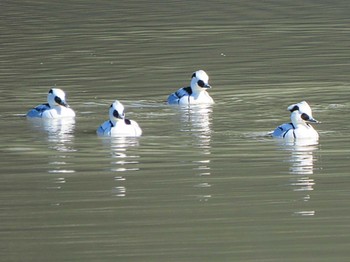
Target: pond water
(202,183)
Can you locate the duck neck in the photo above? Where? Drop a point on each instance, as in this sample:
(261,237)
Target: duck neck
(196,91)
(115,121)
(300,125)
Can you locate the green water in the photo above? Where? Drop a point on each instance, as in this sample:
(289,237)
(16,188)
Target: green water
(201,184)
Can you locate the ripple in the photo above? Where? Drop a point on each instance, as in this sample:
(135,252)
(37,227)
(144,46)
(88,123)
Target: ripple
(202,185)
(305,213)
(119,191)
(61,171)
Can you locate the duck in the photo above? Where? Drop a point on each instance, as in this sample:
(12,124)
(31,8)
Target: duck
(196,93)
(56,106)
(300,127)
(118,125)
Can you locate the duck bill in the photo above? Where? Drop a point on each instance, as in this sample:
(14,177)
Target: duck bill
(63,103)
(207,86)
(313,120)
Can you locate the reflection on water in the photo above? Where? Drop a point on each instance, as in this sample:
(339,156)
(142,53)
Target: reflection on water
(196,121)
(257,52)
(60,137)
(302,168)
(121,160)
(60,132)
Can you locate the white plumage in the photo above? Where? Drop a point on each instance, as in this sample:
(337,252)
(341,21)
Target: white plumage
(301,116)
(56,106)
(118,125)
(194,94)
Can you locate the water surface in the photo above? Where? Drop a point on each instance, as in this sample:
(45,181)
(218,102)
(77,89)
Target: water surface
(202,183)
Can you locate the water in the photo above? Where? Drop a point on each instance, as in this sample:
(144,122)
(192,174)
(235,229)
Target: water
(201,184)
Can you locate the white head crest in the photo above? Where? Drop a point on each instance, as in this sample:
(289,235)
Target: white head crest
(200,81)
(56,97)
(301,112)
(116,111)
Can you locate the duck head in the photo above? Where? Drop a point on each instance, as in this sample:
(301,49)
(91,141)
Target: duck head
(56,97)
(301,113)
(116,111)
(200,81)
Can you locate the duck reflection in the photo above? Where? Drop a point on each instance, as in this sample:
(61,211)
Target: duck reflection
(60,136)
(302,161)
(121,160)
(197,121)
(60,132)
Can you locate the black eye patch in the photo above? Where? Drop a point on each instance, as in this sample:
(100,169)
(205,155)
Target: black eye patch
(116,114)
(201,83)
(305,117)
(294,109)
(58,100)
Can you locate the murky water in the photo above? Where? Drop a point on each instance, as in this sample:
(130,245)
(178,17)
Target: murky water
(201,184)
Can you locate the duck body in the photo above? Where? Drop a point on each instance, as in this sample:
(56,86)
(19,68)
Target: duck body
(185,96)
(55,108)
(38,111)
(45,111)
(118,125)
(299,128)
(120,128)
(194,94)
(290,131)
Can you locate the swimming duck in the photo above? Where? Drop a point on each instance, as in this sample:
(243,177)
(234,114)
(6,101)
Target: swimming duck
(301,116)
(56,106)
(118,125)
(194,94)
